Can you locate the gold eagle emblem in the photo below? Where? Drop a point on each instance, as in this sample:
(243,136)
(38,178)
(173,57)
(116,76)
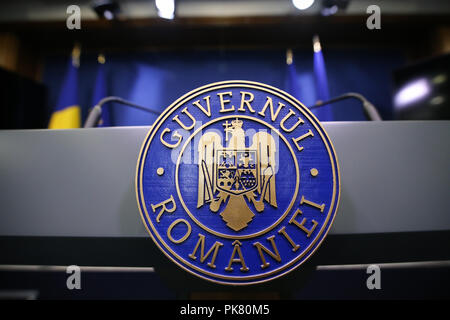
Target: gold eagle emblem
(229,174)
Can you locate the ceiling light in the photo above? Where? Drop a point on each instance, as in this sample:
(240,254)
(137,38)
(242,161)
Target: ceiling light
(302,4)
(106,9)
(331,7)
(166,8)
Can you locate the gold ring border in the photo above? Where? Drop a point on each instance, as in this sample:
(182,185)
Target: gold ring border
(291,204)
(315,122)
(273,271)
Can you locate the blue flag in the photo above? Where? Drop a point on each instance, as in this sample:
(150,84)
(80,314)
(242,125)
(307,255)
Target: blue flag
(324,113)
(99,93)
(299,84)
(292,86)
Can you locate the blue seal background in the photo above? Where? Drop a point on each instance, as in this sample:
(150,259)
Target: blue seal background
(155,189)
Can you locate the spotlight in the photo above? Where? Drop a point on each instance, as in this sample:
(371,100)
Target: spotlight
(412,92)
(166,8)
(330,7)
(302,4)
(329,11)
(316,44)
(106,9)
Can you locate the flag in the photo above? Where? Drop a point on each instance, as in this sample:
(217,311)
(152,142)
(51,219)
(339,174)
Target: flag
(100,92)
(292,86)
(324,113)
(299,84)
(67,113)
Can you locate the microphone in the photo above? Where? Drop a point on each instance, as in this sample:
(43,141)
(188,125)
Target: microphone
(96,112)
(369,109)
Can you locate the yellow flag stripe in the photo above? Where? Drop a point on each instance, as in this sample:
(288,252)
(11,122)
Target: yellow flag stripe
(66,118)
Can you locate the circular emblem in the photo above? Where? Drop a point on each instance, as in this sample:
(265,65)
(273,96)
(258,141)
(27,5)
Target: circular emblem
(237,182)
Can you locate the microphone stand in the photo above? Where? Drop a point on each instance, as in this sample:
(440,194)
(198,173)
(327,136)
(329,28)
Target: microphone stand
(96,112)
(369,109)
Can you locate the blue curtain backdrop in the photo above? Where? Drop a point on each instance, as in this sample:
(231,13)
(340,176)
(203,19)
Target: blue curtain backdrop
(156,79)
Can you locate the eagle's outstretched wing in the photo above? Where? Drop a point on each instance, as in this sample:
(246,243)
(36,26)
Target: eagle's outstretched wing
(265,146)
(209,143)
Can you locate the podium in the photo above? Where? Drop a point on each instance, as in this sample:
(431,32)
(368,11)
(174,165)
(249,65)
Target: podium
(68,197)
